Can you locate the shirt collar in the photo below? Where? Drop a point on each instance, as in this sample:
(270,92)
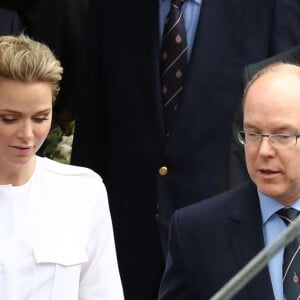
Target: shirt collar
(269,206)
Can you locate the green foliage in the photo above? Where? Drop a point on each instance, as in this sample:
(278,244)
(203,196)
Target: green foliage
(59,143)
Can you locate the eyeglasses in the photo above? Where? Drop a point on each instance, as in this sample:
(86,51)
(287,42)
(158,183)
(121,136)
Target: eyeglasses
(278,140)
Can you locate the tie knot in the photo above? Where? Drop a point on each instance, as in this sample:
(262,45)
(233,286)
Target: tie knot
(288,214)
(177,3)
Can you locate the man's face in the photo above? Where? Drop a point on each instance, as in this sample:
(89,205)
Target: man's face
(273,106)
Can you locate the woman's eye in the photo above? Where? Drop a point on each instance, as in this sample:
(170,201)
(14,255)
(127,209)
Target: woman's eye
(8,119)
(40,119)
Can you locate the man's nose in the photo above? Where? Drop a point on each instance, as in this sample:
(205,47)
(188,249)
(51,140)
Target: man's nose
(266,148)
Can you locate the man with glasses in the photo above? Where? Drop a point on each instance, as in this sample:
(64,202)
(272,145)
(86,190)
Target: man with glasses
(212,240)
(238,171)
(278,140)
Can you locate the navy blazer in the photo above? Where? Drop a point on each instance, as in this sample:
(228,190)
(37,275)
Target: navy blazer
(210,242)
(10,23)
(119,122)
(290,56)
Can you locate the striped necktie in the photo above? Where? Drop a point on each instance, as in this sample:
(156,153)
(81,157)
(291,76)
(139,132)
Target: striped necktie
(291,259)
(173,62)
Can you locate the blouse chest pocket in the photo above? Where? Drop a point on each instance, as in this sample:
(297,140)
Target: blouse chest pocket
(65,255)
(60,265)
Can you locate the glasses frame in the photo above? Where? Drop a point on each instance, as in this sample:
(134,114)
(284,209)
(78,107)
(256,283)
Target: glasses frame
(241,135)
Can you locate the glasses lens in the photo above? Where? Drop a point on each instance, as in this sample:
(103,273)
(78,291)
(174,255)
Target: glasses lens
(283,140)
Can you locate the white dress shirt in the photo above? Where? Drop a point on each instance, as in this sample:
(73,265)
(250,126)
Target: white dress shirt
(56,237)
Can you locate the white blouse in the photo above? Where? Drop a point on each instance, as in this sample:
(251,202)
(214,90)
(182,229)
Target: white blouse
(56,237)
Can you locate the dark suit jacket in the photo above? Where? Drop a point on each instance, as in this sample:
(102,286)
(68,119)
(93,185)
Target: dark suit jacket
(238,171)
(210,242)
(120,130)
(290,56)
(60,24)
(10,23)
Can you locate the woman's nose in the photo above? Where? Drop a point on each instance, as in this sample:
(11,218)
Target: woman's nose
(25,130)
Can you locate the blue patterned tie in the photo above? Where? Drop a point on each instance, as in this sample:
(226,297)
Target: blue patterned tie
(173,62)
(291,260)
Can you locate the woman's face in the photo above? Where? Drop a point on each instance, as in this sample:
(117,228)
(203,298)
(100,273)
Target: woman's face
(25,120)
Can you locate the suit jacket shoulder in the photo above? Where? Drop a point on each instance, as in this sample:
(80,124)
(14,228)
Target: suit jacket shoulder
(210,242)
(289,56)
(233,203)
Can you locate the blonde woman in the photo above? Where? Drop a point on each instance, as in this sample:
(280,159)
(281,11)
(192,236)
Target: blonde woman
(56,234)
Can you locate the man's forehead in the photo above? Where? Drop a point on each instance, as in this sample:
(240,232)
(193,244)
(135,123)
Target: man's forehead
(279,73)
(279,81)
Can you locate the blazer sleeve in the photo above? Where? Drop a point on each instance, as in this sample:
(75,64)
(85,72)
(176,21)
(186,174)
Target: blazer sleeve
(175,283)
(100,277)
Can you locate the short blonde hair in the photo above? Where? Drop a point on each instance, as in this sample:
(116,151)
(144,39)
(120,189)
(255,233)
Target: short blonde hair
(23,59)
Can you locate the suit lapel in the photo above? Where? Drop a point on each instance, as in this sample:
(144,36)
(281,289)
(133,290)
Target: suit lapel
(217,22)
(246,237)
(212,37)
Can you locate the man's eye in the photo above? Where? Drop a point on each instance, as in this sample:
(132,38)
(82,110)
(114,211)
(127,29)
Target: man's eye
(252,134)
(283,137)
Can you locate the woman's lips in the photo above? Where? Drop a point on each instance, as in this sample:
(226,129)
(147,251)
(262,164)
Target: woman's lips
(22,150)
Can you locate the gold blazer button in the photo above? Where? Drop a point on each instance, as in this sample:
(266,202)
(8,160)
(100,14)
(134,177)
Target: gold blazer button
(163,171)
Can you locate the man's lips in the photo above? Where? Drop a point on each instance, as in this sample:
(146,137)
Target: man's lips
(268,173)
